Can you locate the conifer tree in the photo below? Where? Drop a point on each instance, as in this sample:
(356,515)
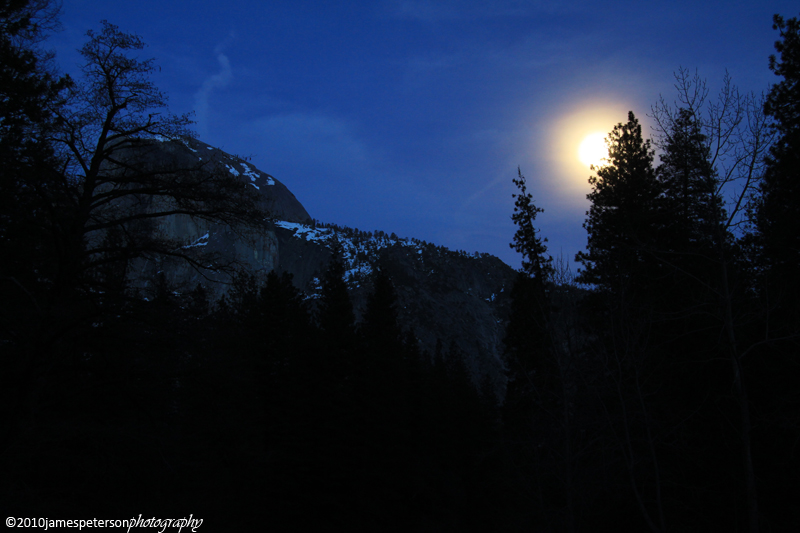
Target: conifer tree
(536,411)
(729,284)
(380,328)
(692,209)
(527,241)
(777,217)
(29,91)
(336,367)
(285,318)
(531,368)
(689,236)
(623,225)
(286,340)
(335,311)
(620,223)
(527,343)
(778,208)
(382,372)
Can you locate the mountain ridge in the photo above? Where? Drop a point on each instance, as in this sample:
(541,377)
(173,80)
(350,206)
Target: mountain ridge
(443,295)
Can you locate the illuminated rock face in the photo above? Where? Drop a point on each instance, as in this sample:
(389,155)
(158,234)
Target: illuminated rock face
(252,249)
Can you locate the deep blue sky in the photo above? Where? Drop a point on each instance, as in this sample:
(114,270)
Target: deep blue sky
(412,116)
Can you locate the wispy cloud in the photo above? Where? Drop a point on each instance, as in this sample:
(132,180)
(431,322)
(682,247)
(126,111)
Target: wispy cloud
(216,81)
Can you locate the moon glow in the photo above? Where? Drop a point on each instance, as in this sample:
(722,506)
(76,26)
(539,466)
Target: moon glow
(571,127)
(592,149)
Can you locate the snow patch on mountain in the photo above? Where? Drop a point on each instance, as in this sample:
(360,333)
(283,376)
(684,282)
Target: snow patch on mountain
(232,170)
(358,249)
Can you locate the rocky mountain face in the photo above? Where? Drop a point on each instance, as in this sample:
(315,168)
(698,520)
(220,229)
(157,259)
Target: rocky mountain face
(252,249)
(449,296)
(452,297)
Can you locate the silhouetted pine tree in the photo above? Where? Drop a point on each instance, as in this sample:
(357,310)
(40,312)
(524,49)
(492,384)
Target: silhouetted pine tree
(334,425)
(623,226)
(379,326)
(778,208)
(621,219)
(285,320)
(335,310)
(772,366)
(686,376)
(532,371)
(384,368)
(528,347)
(537,411)
(30,94)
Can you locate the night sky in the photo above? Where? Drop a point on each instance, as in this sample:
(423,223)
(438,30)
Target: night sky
(412,116)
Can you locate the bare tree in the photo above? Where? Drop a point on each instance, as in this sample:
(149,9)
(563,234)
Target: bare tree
(118,181)
(737,133)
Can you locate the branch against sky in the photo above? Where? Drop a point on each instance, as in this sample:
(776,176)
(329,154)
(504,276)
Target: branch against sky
(737,133)
(110,137)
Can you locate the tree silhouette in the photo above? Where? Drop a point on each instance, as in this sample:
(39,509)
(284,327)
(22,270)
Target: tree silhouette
(28,91)
(108,137)
(778,208)
(620,222)
(692,210)
(335,313)
(527,242)
(719,278)
(622,225)
(528,346)
(537,412)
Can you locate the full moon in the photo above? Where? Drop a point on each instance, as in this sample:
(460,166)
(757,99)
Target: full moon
(575,140)
(593,149)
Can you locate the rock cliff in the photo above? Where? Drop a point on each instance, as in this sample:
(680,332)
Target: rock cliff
(450,296)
